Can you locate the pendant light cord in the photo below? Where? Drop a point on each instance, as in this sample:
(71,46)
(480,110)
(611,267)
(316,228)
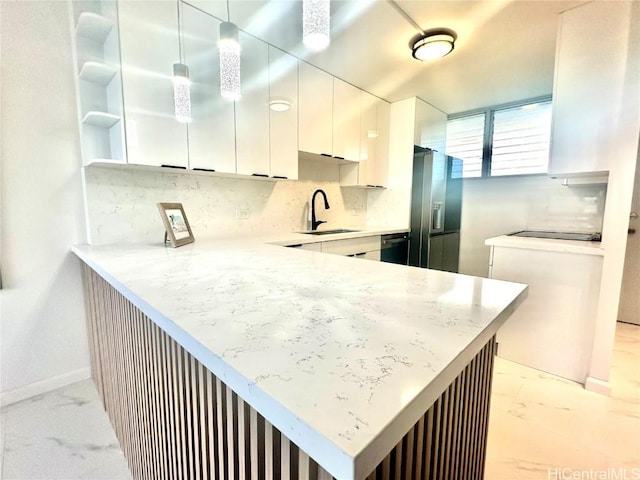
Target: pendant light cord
(228,14)
(404,14)
(179,33)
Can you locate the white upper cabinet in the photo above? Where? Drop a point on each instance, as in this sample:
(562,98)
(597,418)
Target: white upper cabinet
(149,46)
(346,121)
(591,56)
(283,126)
(315,110)
(252,110)
(212,140)
(379,174)
(430,127)
(371,171)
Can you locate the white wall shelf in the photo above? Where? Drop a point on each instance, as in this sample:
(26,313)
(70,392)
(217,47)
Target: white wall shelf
(97,72)
(93,26)
(100,119)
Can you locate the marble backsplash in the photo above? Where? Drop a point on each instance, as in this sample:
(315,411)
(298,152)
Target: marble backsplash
(121,203)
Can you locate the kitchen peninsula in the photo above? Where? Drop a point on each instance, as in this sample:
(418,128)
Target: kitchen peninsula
(241,359)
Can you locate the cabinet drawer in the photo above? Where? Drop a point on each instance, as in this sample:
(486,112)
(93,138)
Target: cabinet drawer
(352,246)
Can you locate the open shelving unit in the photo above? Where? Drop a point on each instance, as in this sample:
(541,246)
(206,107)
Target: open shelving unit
(100,100)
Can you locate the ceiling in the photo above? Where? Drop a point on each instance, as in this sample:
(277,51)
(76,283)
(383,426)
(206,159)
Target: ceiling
(504,52)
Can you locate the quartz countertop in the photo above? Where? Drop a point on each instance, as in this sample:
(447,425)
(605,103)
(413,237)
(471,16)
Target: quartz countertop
(341,355)
(547,244)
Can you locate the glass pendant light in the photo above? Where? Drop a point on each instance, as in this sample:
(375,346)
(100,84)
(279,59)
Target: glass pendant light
(229,51)
(181,84)
(182,92)
(315,24)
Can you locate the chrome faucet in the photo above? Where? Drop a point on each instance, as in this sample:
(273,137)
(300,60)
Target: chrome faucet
(315,223)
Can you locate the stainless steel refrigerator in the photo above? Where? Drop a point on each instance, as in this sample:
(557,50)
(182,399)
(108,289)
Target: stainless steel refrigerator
(436,207)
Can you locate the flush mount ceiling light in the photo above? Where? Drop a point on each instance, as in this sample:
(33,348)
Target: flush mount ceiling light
(428,44)
(181,92)
(279,105)
(315,24)
(229,51)
(432,46)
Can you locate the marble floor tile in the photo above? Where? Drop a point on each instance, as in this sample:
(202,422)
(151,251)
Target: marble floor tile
(540,423)
(63,434)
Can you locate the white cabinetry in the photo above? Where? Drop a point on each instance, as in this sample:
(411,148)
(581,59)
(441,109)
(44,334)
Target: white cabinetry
(430,127)
(315,110)
(149,46)
(99,81)
(252,111)
(346,121)
(590,73)
(212,140)
(372,170)
(367,248)
(553,329)
(283,126)
(354,247)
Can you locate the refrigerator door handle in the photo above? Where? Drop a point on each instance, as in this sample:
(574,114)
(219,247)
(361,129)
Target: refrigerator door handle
(436,216)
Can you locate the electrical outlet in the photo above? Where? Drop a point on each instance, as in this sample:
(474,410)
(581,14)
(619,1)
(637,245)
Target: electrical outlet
(242,213)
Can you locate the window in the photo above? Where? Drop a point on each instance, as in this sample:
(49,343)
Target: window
(505,140)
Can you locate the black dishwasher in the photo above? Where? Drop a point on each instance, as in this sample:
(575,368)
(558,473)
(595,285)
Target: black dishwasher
(394,248)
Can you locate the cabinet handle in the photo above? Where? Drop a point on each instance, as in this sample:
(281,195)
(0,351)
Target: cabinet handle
(394,240)
(260,175)
(631,231)
(281,177)
(295,246)
(326,155)
(360,254)
(204,169)
(173,166)
(339,158)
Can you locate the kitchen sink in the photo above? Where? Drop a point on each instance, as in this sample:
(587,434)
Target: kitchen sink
(329,232)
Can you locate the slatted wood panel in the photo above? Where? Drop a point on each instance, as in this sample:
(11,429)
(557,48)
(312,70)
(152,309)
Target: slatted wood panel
(175,420)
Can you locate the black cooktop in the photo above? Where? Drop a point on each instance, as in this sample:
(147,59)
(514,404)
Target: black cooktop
(587,237)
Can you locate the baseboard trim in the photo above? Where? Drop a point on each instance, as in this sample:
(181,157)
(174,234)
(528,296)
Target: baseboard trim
(598,386)
(43,386)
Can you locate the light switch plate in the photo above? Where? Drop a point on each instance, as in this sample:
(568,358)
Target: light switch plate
(242,213)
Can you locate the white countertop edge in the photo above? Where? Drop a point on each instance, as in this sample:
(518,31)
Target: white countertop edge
(380,448)
(297,238)
(547,244)
(306,438)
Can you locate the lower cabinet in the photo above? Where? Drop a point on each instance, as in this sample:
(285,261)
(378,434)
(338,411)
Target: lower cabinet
(553,329)
(367,248)
(353,247)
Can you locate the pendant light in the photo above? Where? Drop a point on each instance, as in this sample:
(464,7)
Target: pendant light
(315,24)
(182,92)
(229,51)
(181,84)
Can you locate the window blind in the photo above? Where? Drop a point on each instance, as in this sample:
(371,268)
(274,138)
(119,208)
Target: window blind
(520,140)
(465,140)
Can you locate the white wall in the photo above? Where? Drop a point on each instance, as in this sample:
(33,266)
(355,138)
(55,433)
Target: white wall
(495,206)
(42,330)
(122,203)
